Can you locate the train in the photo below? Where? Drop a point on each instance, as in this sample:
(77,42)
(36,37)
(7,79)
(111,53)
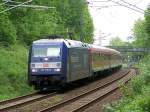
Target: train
(55,62)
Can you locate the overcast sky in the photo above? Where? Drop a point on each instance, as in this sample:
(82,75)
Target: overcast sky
(115,20)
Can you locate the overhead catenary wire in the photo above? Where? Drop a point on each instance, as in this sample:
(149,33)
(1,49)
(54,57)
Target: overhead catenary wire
(103,6)
(142,12)
(11,1)
(99,1)
(132,5)
(16,6)
(139,2)
(4,3)
(34,6)
(137,9)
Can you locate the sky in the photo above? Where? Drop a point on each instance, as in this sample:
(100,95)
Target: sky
(116,20)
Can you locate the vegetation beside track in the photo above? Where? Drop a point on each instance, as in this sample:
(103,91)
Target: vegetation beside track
(136,93)
(13,70)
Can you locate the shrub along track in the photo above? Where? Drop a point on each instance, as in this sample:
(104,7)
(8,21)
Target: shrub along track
(79,98)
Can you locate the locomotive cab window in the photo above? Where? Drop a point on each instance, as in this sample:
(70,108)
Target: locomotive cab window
(46,52)
(53,51)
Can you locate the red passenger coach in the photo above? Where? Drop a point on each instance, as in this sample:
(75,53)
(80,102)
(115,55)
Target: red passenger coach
(104,59)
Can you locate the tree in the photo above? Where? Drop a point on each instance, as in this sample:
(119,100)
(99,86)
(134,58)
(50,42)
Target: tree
(28,24)
(76,18)
(117,42)
(141,30)
(7,29)
(147,20)
(32,24)
(140,34)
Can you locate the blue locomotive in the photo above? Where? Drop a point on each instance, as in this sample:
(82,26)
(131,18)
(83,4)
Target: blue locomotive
(56,62)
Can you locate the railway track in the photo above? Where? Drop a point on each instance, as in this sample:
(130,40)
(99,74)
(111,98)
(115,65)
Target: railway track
(22,100)
(71,104)
(84,100)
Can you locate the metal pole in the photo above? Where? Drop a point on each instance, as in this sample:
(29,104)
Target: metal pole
(81,25)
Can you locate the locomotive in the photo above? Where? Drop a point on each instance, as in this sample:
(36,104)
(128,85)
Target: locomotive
(56,62)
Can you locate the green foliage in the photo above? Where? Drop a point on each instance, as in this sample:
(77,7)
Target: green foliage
(118,42)
(147,20)
(13,72)
(141,30)
(136,93)
(76,18)
(140,34)
(28,24)
(7,30)
(32,24)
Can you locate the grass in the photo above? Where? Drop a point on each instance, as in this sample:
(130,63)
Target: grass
(136,95)
(13,72)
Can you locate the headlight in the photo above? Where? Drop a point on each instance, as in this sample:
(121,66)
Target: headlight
(57,70)
(34,70)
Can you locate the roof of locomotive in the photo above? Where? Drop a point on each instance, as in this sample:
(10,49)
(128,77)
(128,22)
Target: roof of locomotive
(69,43)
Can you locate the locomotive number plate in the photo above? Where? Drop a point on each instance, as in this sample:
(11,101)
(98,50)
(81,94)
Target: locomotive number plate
(46,65)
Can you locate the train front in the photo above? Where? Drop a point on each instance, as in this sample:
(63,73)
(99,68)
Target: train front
(46,64)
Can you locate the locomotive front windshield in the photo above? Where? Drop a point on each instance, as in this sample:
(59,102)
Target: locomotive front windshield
(46,51)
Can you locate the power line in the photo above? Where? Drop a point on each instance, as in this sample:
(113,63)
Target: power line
(15,6)
(132,5)
(104,6)
(14,1)
(127,6)
(99,1)
(34,6)
(139,2)
(4,3)
(139,10)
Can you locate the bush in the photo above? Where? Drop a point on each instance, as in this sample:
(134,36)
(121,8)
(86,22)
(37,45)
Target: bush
(13,72)
(7,30)
(136,95)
